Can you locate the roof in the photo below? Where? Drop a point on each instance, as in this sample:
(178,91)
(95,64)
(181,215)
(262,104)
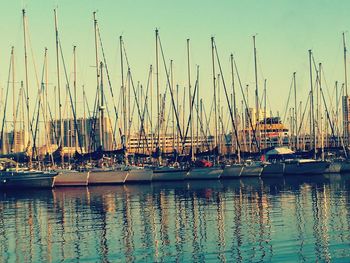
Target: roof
(280,151)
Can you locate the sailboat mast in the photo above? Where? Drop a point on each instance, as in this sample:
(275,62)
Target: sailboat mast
(197,126)
(345,71)
(97,62)
(234,99)
(312,122)
(157,83)
(102,108)
(345,99)
(123,95)
(61,135)
(265,121)
(214,86)
(13,100)
(295,112)
(256,94)
(173,110)
(26,73)
(190,97)
(75,92)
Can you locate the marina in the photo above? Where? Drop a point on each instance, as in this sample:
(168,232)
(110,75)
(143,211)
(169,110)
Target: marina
(182,131)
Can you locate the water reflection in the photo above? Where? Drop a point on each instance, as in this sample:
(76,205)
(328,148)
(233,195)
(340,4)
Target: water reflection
(293,219)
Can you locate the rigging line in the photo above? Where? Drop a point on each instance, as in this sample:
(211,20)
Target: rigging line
(34,149)
(5,106)
(207,130)
(302,118)
(32,53)
(145,109)
(209,117)
(108,76)
(92,140)
(110,121)
(132,83)
(289,95)
(246,104)
(190,116)
(71,99)
(162,107)
(201,124)
(171,90)
(327,88)
(328,116)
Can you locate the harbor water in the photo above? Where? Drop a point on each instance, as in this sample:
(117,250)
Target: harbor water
(291,219)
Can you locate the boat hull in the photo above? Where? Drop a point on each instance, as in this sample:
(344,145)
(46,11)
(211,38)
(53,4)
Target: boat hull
(252,171)
(139,175)
(307,168)
(169,174)
(232,171)
(71,178)
(345,167)
(107,177)
(273,170)
(27,180)
(204,173)
(334,167)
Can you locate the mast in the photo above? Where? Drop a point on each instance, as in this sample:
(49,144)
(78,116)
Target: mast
(197,126)
(345,99)
(312,116)
(190,97)
(173,110)
(256,94)
(61,135)
(234,105)
(214,86)
(151,113)
(102,108)
(295,113)
(96,61)
(177,109)
(123,96)
(247,117)
(320,112)
(13,100)
(26,76)
(345,71)
(337,112)
(75,92)
(157,83)
(265,97)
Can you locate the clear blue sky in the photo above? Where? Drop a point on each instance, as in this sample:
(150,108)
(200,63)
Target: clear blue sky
(285,31)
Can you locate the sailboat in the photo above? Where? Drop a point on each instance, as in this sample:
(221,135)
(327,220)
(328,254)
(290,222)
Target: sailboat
(173,172)
(307,166)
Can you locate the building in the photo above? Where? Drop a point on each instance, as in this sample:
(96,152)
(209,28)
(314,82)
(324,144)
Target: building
(89,134)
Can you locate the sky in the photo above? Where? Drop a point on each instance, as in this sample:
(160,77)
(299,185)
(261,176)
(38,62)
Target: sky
(285,31)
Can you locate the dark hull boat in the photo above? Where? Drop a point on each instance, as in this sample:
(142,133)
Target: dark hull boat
(27,179)
(273,170)
(334,167)
(345,167)
(305,167)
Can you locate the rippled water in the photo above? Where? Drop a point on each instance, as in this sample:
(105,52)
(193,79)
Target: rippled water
(300,219)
